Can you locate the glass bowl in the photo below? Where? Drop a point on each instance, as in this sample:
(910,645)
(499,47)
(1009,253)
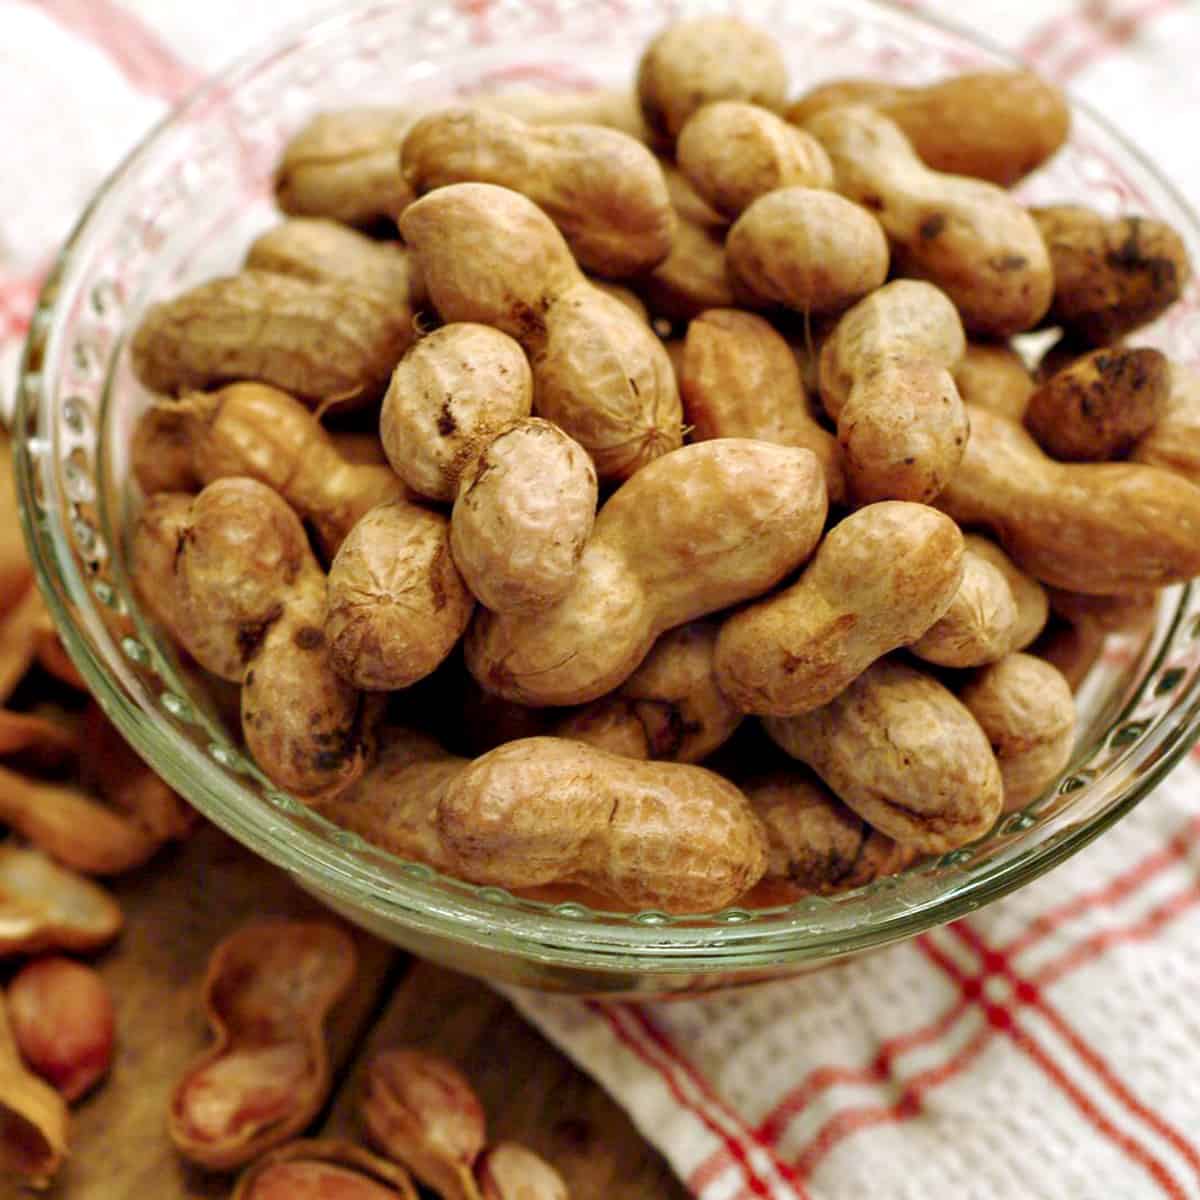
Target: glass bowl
(185,205)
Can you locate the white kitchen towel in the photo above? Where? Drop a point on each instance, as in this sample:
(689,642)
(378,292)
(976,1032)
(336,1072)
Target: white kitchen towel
(1048,1046)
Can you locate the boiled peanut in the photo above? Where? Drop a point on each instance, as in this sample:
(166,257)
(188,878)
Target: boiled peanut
(323,1168)
(1174,441)
(993,376)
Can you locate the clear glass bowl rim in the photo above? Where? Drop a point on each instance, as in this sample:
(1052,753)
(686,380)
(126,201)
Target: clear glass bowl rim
(476,916)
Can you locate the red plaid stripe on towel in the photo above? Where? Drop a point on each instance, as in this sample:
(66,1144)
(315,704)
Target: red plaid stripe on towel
(1046,1047)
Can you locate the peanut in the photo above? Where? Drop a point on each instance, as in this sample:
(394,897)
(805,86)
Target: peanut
(1111,275)
(811,251)
(814,842)
(235,583)
(879,580)
(1030,597)
(670,708)
(993,376)
(490,255)
(324,1169)
(689,205)
(318,341)
(1100,405)
(694,62)
(1025,707)
(511,1172)
(523,515)
(160,451)
(604,190)
(693,277)
(885,379)
(396,602)
(259,432)
(994,125)
(450,394)
(904,754)
(733,153)
(44,906)
(62,1022)
(627,296)
(323,251)
(696,531)
(34,1123)
(545,810)
(1174,441)
(420,1110)
(739,378)
(1100,528)
(968,237)
(267,991)
(345,165)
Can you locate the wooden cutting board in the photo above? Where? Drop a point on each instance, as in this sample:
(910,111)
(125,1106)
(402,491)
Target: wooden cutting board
(178,908)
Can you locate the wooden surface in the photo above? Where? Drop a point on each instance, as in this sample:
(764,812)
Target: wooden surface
(186,901)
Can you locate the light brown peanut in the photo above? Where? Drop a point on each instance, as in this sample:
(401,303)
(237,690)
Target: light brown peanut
(490,255)
(1111,275)
(903,753)
(885,379)
(321,342)
(695,62)
(968,237)
(733,153)
(603,189)
(1033,606)
(995,125)
(1025,707)
(510,1172)
(696,531)
(693,277)
(1174,441)
(814,842)
(1097,407)
(992,375)
(396,604)
(879,580)
(324,1168)
(811,251)
(1100,528)
(739,378)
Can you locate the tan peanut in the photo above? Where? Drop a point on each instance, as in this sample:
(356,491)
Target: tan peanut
(995,125)
(259,432)
(523,515)
(694,532)
(449,395)
(903,753)
(1174,441)
(160,451)
(1100,528)
(885,379)
(508,1171)
(1111,274)
(396,603)
(992,375)
(879,580)
(733,153)
(345,165)
(694,277)
(970,238)
(670,708)
(688,204)
(1025,707)
(603,189)
(695,62)
(814,842)
(811,251)
(1098,407)
(320,342)
(739,378)
(490,255)
(324,251)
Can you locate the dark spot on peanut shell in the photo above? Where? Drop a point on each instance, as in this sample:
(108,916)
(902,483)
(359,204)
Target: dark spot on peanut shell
(932,226)
(1008,262)
(250,634)
(308,638)
(446,424)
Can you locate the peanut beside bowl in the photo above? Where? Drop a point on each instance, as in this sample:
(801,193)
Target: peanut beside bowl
(78,403)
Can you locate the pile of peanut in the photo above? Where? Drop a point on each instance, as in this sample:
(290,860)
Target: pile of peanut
(666,519)
(244,1102)
(75,802)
